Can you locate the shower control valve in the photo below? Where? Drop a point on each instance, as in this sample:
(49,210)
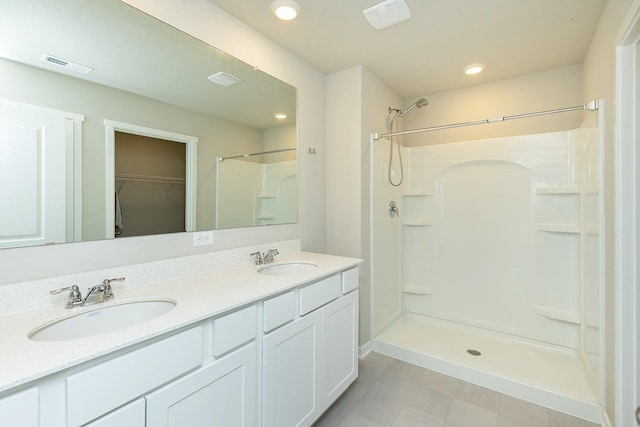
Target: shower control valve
(393,209)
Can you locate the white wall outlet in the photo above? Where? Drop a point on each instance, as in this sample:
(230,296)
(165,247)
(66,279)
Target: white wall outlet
(203,238)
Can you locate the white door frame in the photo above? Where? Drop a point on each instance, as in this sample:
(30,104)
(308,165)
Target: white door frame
(627,208)
(111,127)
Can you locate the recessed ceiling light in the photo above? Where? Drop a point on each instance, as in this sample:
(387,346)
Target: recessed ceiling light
(473,69)
(280,116)
(285,9)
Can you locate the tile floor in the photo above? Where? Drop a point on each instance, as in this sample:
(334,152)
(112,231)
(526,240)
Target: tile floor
(392,393)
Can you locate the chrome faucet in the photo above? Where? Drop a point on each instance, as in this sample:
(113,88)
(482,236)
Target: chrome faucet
(75,296)
(266,258)
(258,258)
(104,288)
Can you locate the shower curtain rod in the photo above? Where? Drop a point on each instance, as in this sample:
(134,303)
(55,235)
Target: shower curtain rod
(591,106)
(219,159)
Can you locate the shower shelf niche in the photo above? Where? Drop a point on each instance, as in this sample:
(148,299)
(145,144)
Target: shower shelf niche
(560,198)
(559,228)
(416,290)
(557,190)
(416,193)
(416,222)
(560,315)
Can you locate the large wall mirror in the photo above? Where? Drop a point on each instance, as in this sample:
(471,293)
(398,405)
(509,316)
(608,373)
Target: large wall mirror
(114,124)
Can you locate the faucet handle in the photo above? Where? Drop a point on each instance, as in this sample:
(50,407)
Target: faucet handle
(272,252)
(71,288)
(106,283)
(258,257)
(75,297)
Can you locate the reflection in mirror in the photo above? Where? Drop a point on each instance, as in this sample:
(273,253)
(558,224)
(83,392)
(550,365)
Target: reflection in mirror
(257,188)
(150,178)
(104,63)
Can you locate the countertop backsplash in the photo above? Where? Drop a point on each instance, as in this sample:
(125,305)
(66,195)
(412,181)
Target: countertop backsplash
(25,296)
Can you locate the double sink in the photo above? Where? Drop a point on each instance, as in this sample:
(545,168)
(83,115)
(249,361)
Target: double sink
(130,313)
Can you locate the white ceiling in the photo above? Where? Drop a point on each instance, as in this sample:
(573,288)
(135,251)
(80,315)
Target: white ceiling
(427,53)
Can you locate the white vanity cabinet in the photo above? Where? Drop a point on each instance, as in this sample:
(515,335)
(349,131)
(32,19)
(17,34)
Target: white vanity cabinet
(223,393)
(20,408)
(310,362)
(292,373)
(275,362)
(339,347)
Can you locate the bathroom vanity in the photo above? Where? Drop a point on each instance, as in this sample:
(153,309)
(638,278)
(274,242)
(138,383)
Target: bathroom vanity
(241,347)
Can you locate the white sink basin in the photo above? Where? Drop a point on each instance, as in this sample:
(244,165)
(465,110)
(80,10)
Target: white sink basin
(287,268)
(99,321)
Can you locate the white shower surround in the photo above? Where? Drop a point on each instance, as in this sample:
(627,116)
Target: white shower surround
(498,238)
(252,193)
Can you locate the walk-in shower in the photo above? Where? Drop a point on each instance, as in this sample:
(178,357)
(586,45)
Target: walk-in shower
(492,272)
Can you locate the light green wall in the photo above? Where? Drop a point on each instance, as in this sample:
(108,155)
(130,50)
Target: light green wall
(216,137)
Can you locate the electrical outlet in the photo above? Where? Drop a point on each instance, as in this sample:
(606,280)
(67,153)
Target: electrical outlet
(203,238)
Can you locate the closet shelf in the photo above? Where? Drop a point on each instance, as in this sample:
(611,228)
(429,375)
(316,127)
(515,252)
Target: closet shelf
(560,315)
(559,228)
(150,178)
(557,190)
(267,196)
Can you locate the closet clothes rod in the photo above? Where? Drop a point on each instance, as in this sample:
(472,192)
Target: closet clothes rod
(150,178)
(281,150)
(591,106)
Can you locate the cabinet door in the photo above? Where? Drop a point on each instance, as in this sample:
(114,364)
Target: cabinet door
(339,347)
(220,394)
(20,409)
(291,373)
(131,415)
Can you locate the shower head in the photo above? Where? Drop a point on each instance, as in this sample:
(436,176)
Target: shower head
(419,103)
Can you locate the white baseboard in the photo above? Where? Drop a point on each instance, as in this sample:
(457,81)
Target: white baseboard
(364,350)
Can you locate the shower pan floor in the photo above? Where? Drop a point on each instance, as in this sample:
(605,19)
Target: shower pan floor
(546,376)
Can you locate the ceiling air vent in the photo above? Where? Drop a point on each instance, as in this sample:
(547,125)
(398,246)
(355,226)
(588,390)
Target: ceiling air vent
(224,79)
(387,13)
(66,64)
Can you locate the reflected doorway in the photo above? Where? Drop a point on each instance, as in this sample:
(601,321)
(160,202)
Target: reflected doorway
(151,181)
(150,178)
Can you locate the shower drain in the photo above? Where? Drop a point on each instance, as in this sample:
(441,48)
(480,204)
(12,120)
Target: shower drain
(473,352)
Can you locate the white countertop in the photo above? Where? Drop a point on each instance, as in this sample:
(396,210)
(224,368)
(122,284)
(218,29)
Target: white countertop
(198,297)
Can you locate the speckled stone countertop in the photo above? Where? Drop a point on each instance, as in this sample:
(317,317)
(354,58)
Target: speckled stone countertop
(198,297)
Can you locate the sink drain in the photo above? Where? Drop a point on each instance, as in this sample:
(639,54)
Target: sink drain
(473,352)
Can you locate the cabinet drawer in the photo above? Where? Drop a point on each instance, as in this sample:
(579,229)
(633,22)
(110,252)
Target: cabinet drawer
(350,280)
(233,330)
(20,409)
(102,388)
(320,293)
(278,310)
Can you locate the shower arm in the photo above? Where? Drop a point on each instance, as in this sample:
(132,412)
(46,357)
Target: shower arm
(591,106)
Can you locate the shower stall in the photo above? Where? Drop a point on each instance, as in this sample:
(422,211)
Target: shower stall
(486,262)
